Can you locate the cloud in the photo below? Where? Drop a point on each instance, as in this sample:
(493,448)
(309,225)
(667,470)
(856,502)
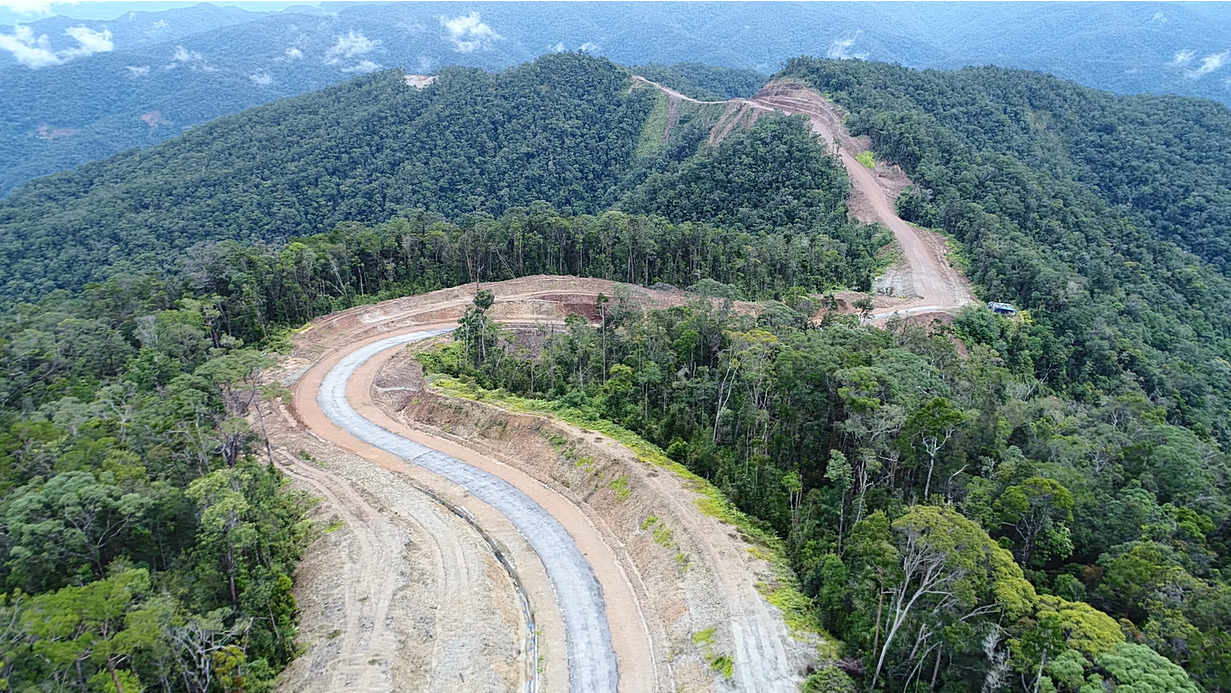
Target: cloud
(91,41)
(183,55)
(262,78)
(138,70)
(1159,18)
(558,48)
(353,44)
(1208,64)
(840,49)
(37,52)
(588,47)
(33,8)
(362,66)
(293,54)
(194,60)
(468,32)
(1183,57)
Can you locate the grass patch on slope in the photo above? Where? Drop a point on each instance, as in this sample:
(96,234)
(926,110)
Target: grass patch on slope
(650,144)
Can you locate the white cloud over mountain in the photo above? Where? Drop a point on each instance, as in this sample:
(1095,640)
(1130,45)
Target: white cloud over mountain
(840,49)
(35,52)
(468,33)
(352,45)
(1208,64)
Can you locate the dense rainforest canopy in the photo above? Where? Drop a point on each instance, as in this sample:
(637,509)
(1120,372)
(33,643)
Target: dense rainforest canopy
(1040,504)
(164,72)
(562,129)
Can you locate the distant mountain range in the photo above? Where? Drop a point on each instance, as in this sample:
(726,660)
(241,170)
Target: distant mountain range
(78,90)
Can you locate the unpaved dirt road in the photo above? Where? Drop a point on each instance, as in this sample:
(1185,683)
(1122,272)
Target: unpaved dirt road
(927,283)
(938,286)
(654,594)
(591,656)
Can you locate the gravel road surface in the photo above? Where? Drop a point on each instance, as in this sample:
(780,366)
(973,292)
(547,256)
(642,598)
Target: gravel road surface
(591,657)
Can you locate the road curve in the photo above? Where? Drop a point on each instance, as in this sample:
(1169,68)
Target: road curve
(588,644)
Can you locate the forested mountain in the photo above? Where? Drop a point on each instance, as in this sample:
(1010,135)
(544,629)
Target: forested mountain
(562,130)
(84,90)
(1033,504)
(1066,207)
(1035,177)
(129,31)
(146,540)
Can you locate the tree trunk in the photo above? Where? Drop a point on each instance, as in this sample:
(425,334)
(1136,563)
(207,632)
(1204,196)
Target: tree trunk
(115,677)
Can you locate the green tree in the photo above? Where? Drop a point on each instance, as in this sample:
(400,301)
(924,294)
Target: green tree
(1038,510)
(1138,668)
(71,524)
(101,624)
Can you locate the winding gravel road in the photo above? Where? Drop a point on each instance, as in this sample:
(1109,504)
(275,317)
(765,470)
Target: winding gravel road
(591,657)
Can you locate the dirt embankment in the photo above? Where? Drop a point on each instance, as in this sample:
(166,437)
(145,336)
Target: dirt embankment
(694,573)
(682,573)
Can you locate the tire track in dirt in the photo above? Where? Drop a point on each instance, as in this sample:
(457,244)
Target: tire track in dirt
(591,656)
(368,648)
(365,522)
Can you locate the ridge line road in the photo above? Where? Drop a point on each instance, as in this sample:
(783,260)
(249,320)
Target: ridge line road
(583,599)
(646,641)
(939,286)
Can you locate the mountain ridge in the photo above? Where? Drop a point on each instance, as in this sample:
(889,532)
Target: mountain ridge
(228,69)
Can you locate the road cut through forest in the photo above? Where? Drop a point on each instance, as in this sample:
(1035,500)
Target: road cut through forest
(620,578)
(925,279)
(597,613)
